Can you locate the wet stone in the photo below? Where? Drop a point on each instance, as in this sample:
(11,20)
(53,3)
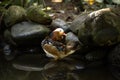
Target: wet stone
(59,23)
(28,33)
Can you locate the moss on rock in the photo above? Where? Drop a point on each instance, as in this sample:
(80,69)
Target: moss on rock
(13,15)
(35,14)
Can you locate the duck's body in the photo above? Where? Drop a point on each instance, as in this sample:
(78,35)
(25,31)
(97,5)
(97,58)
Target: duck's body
(60,47)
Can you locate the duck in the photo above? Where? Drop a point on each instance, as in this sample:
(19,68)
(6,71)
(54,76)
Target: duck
(59,44)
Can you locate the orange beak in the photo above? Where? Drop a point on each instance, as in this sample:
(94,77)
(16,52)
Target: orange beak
(62,34)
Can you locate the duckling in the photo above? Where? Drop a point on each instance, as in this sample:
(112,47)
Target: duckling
(58,44)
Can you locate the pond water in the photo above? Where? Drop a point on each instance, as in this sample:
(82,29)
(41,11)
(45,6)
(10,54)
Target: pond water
(35,67)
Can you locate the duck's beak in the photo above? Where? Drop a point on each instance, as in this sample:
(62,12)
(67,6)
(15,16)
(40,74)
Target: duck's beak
(62,34)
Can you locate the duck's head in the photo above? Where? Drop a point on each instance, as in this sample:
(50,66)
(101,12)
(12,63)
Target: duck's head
(58,34)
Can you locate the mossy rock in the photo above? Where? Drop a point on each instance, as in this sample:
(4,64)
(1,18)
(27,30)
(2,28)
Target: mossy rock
(14,14)
(99,27)
(36,14)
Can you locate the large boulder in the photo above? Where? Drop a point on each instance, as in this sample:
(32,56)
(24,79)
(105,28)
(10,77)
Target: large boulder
(59,23)
(99,27)
(26,33)
(13,15)
(114,56)
(36,14)
(114,61)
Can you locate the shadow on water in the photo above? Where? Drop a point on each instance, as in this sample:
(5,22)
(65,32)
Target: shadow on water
(37,67)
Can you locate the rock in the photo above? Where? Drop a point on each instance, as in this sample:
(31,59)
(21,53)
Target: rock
(13,15)
(59,23)
(99,27)
(72,40)
(114,61)
(114,56)
(96,55)
(28,33)
(9,52)
(35,14)
(8,37)
(107,36)
(78,27)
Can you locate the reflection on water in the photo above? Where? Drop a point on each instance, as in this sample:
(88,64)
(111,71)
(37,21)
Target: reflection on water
(67,69)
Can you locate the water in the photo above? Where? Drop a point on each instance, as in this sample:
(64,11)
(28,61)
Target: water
(67,69)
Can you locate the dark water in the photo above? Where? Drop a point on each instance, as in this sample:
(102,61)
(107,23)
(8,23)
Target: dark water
(35,67)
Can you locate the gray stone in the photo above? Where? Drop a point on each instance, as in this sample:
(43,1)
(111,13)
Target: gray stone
(59,23)
(28,33)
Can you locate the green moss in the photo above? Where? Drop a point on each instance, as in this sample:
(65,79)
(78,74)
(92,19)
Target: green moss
(13,15)
(34,13)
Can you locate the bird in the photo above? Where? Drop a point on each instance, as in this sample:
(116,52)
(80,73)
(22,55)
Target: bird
(59,44)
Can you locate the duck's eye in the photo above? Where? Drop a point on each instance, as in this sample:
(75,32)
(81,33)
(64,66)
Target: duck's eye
(60,30)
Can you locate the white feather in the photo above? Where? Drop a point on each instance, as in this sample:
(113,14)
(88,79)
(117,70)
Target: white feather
(48,54)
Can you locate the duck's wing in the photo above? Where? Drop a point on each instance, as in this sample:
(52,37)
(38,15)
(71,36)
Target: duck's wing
(52,48)
(47,40)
